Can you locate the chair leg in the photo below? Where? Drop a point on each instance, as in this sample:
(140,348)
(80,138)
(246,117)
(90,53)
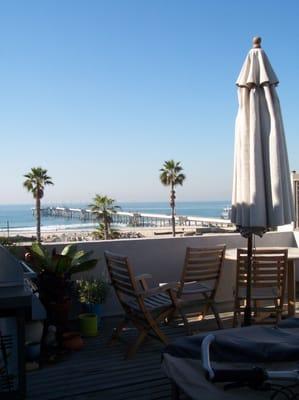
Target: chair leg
(235,319)
(255,308)
(134,347)
(236,314)
(278,316)
(159,333)
(278,310)
(117,331)
(169,318)
(205,310)
(175,392)
(217,317)
(185,321)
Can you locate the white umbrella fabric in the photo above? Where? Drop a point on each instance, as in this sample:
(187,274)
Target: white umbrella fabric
(262,195)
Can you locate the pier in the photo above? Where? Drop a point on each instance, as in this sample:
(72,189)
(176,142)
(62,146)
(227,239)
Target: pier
(134,218)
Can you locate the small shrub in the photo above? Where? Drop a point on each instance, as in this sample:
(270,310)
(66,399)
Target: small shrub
(93,291)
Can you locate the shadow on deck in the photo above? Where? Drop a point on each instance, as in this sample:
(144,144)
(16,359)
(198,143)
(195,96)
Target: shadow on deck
(99,371)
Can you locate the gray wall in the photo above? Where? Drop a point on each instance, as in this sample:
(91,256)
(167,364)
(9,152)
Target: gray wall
(163,258)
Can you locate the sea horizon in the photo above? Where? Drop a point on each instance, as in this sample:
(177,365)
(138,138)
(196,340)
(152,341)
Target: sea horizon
(19,216)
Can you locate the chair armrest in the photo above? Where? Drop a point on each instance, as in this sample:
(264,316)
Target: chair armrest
(170,285)
(142,279)
(143,276)
(159,289)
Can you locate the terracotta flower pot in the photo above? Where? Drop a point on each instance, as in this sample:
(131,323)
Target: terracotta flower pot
(72,341)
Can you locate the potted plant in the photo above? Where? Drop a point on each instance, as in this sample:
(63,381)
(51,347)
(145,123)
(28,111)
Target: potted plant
(54,277)
(93,294)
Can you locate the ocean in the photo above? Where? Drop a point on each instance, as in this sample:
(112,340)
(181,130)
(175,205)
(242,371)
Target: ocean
(20,216)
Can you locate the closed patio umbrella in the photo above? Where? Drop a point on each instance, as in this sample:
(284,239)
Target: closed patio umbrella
(262,195)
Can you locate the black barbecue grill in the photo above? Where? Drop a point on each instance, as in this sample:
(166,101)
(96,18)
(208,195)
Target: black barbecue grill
(18,304)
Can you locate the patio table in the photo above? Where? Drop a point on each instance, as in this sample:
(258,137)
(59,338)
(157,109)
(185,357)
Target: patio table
(293,255)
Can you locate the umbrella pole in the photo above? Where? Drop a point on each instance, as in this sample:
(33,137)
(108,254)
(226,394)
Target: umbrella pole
(247,313)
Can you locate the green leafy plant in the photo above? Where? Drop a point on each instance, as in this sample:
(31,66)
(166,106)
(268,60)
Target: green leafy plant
(56,269)
(93,291)
(64,264)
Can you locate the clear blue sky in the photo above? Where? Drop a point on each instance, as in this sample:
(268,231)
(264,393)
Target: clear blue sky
(100,93)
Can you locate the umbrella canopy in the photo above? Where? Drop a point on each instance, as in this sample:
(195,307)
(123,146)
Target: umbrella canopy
(262,194)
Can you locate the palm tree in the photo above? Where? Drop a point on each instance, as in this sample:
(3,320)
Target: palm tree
(103,207)
(35,182)
(171,175)
(99,233)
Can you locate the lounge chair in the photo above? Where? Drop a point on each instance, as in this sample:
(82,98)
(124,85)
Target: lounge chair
(235,350)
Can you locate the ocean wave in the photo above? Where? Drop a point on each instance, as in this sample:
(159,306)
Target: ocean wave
(46,228)
(51,228)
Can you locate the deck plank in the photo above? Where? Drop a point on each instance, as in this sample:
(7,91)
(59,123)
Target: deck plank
(100,371)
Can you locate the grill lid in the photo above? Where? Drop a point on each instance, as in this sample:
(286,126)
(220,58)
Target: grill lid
(11,271)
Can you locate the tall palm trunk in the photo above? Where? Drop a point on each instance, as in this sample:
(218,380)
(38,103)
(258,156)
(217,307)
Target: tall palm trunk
(172,205)
(38,235)
(106,227)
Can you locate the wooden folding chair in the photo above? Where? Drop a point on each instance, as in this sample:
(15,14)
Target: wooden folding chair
(145,307)
(199,281)
(268,282)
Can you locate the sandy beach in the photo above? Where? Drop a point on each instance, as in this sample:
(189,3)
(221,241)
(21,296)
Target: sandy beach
(192,218)
(57,234)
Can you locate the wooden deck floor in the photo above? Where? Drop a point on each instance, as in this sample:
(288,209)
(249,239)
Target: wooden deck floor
(100,371)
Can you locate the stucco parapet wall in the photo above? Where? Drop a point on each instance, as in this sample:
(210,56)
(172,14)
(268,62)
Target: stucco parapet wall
(163,258)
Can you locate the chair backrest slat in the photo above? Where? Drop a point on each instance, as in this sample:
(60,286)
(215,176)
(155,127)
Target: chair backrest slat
(201,275)
(199,261)
(268,269)
(202,264)
(122,277)
(202,278)
(198,269)
(123,286)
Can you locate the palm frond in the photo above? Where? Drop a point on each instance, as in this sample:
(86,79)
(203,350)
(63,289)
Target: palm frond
(171,173)
(36,180)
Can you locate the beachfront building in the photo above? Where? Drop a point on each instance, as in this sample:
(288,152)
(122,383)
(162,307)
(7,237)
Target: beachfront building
(295,176)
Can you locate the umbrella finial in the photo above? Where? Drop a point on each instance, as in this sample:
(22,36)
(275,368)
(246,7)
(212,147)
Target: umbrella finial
(256,41)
